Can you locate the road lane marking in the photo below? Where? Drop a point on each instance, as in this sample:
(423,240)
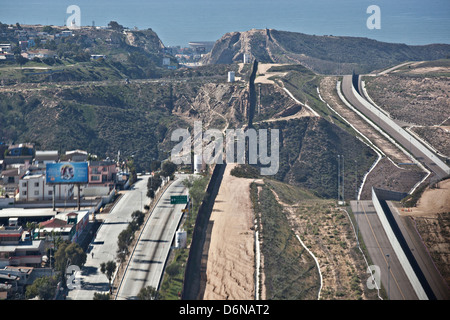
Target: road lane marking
(381,250)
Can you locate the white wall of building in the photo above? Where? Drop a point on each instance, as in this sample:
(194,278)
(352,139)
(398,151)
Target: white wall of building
(34,188)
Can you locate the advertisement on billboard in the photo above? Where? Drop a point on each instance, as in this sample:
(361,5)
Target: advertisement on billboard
(67,172)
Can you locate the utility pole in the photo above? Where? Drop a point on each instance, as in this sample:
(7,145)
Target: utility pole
(389,277)
(343,183)
(339,179)
(259,104)
(357,201)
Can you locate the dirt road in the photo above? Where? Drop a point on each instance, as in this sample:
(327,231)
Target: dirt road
(231,260)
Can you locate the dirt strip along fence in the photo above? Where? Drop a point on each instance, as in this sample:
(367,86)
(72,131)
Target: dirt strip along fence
(192,276)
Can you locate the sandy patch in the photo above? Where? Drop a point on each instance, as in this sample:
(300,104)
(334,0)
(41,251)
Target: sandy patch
(429,70)
(231,259)
(432,202)
(262,76)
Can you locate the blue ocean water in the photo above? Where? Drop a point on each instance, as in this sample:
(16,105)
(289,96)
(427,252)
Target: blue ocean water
(177,22)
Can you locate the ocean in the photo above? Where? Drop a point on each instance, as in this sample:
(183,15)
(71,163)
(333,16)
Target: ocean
(178,22)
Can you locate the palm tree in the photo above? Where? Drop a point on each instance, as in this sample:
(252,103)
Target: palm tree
(108,269)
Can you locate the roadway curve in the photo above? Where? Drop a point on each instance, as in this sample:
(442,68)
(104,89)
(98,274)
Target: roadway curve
(410,144)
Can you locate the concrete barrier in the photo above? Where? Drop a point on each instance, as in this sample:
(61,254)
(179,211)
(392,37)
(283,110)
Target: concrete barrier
(401,131)
(401,249)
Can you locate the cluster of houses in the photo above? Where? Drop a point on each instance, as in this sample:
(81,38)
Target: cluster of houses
(27,40)
(23,174)
(28,225)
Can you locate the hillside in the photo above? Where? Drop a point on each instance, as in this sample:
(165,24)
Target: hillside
(417,95)
(309,152)
(133,54)
(322,54)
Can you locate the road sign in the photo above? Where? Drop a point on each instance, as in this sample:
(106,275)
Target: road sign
(178,199)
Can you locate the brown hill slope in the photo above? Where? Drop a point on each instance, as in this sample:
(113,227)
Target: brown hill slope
(323,54)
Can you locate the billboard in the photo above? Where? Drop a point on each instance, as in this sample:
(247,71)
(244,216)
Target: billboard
(67,172)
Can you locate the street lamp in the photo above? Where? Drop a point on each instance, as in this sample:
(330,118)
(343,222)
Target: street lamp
(389,277)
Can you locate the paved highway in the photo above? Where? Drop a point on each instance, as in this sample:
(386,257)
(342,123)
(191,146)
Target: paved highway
(406,143)
(378,246)
(149,257)
(104,246)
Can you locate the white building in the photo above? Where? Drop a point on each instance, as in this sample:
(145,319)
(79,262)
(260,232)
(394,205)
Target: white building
(231,77)
(199,164)
(41,158)
(33,187)
(246,58)
(5,47)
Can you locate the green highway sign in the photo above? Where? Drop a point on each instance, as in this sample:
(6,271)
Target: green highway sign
(178,199)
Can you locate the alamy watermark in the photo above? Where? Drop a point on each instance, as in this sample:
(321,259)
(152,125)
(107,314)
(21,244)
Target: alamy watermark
(250,146)
(72,281)
(374,281)
(374,21)
(74,20)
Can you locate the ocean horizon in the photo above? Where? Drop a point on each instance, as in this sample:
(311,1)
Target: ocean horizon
(178,22)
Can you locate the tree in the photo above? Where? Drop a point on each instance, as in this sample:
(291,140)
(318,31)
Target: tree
(138,216)
(153,184)
(197,189)
(48,29)
(43,287)
(115,26)
(155,165)
(20,60)
(108,269)
(147,293)
(168,168)
(68,254)
(101,296)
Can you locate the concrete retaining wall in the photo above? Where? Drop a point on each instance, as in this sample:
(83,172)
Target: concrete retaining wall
(402,132)
(401,249)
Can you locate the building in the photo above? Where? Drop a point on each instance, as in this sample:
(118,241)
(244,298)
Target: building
(6,57)
(41,158)
(202,46)
(98,57)
(33,187)
(102,173)
(41,54)
(26,44)
(69,226)
(66,33)
(23,149)
(5,47)
(246,58)
(231,76)
(55,227)
(9,180)
(76,156)
(17,251)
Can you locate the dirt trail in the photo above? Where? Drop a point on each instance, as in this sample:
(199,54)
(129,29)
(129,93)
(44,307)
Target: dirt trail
(231,260)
